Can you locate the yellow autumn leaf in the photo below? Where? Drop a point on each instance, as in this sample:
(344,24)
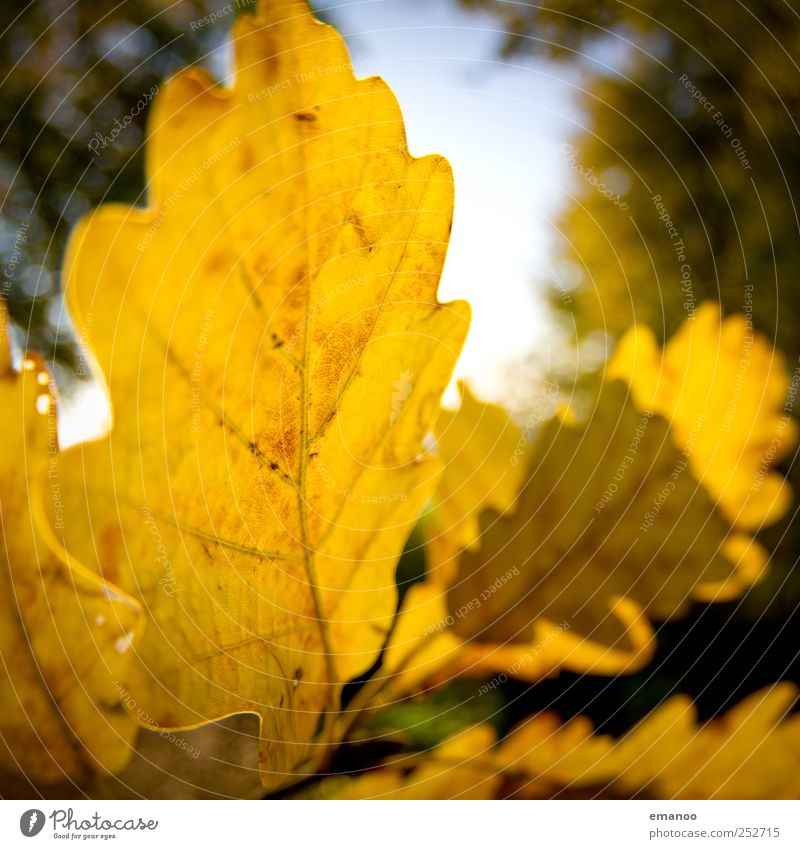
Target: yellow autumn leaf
(751,752)
(456,769)
(65,635)
(264,469)
(723,389)
(426,648)
(609,510)
(612,526)
(483,468)
(484,465)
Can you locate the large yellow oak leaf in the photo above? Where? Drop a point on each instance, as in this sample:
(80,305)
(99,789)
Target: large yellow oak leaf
(486,458)
(65,635)
(275,353)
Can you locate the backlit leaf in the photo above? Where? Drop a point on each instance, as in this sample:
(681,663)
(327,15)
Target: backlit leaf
(65,635)
(723,389)
(484,466)
(275,354)
(621,518)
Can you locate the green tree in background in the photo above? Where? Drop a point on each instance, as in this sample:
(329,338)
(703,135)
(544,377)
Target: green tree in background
(77,80)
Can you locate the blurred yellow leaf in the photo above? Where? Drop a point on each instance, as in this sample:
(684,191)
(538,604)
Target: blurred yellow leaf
(454,770)
(426,648)
(612,524)
(484,466)
(751,752)
(65,635)
(275,353)
(609,511)
(723,388)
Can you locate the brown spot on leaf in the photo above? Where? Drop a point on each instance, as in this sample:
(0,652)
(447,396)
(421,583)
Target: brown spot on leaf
(247,158)
(289,442)
(366,238)
(218,263)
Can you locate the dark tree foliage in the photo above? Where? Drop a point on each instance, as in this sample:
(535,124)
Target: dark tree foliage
(77,77)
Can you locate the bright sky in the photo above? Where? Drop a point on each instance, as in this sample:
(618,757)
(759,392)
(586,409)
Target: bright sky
(500,125)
